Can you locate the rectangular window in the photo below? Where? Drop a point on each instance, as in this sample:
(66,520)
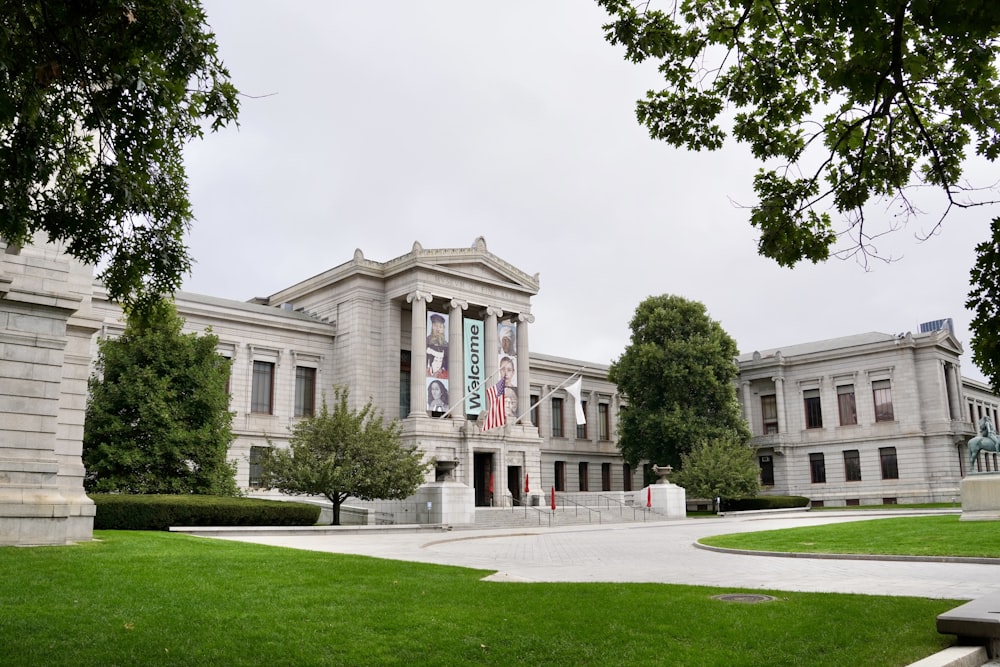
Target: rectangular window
(256,467)
(604,421)
(404,384)
(846,405)
(817,467)
(769,411)
(882,391)
(766,470)
(626,477)
(305,391)
(560,475)
(814,413)
(852,465)
(584,476)
(557,418)
(605,477)
(581,429)
(534,410)
(262,388)
(887,456)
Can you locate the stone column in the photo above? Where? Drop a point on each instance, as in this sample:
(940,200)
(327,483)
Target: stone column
(491,344)
(523,366)
(456,359)
(953,384)
(418,353)
(747,408)
(779,399)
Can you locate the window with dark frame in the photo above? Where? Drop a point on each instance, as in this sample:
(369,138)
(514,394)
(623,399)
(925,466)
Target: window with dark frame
(852,465)
(256,465)
(557,418)
(626,477)
(404,384)
(814,411)
(817,467)
(581,429)
(305,391)
(262,388)
(766,470)
(603,421)
(584,476)
(534,410)
(846,405)
(882,393)
(560,472)
(769,413)
(605,477)
(887,457)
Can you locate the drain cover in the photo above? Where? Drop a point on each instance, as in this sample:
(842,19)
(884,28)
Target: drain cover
(746,598)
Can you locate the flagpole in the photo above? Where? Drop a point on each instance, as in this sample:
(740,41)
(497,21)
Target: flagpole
(558,387)
(462,400)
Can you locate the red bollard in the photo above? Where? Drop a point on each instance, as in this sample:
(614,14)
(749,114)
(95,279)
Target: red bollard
(649,496)
(553,498)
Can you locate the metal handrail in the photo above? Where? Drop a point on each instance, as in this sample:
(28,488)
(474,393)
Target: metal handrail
(577,506)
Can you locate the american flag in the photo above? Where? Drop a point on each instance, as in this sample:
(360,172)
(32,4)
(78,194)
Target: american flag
(496,410)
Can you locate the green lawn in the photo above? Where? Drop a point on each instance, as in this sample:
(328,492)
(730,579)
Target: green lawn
(916,535)
(167,599)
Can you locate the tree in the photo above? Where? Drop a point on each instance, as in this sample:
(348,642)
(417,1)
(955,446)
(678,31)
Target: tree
(845,104)
(723,468)
(97,100)
(158,417)
(341,453)
(678,374)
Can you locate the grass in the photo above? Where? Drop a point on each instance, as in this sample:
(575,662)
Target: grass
(916,536)
(166,599)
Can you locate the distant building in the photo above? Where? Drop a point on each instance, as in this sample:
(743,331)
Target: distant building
(866,419)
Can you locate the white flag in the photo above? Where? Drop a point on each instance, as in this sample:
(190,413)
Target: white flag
(574,391)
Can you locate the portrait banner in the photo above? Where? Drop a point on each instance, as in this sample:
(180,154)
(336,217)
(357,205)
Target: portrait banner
(437,345)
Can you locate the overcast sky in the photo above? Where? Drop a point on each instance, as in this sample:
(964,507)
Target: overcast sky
(376,124)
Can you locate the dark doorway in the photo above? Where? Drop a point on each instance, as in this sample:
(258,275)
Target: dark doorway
(483,478)
(514,483)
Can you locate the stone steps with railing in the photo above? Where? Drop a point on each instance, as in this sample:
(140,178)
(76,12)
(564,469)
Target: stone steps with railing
(545,517)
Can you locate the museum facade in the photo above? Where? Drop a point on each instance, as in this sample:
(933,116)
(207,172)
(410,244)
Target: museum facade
(866,419)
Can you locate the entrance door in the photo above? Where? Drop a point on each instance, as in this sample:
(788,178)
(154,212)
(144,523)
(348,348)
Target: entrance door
(482,464)
(514,483)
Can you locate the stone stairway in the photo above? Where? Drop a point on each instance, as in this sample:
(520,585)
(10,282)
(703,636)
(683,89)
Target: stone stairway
(544,517)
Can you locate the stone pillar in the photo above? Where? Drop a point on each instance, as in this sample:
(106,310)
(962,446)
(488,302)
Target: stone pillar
(418,353)
(523,366)
(491,344)
(779,399)
(41,471)
(747,408)
(953,384)
(456,359)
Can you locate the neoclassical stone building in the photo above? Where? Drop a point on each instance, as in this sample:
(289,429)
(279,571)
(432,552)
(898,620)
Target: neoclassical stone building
(866,419)
(422,335)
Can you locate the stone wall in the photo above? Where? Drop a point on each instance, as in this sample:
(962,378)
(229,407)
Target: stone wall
(45,331)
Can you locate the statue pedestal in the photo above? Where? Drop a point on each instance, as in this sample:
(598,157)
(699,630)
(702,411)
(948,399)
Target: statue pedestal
(667,499)
(981,497)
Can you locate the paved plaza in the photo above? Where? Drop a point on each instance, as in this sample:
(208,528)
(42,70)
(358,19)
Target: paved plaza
(659,552)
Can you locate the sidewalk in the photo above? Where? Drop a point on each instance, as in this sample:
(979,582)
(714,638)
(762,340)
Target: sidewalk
(660,552)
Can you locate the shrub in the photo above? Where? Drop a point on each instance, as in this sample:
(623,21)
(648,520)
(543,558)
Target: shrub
(159,512)
(763,503)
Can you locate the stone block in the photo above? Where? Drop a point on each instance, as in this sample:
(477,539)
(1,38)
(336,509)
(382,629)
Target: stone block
(981,497)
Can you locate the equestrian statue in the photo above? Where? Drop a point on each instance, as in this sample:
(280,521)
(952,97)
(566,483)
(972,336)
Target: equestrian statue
(986,441)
